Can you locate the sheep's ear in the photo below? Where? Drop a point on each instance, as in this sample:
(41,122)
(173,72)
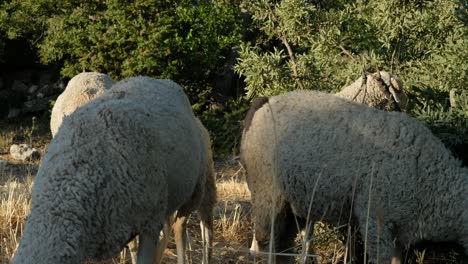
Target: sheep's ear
(395,84)
(256,104)
(379,77)
(363,77)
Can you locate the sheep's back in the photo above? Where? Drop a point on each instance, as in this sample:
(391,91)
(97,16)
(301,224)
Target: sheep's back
(185,149)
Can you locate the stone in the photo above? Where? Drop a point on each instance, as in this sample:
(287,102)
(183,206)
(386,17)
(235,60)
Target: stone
(24,152)
(46,91)
(37,105)
(33,89)
(61,84)
(19,86)
(45,77)
(13,113)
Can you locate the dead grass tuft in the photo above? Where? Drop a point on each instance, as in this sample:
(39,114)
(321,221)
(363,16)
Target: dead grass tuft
(15,197)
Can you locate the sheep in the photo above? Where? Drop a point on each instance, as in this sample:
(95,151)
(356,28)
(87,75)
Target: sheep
(118,167)
(316,156)
(381,90)
(81,89)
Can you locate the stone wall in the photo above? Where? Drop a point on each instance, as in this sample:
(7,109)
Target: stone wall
(26,86)
(27,91)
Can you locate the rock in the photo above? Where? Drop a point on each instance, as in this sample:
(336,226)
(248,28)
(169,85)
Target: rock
(37,105)
(19,86)
(23,152)
(13,113)
(45,77)
(9,99)
(47,90)
(33,89)
(60,84)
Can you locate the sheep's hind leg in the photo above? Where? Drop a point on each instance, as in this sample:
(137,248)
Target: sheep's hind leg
(180,237)
(164,238)
(285,224)
(381,246)
(146,249)
(133,249)
(206,224)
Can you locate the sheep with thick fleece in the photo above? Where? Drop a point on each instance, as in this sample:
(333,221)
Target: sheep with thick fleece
(318,157)
(381,90)
(81,89)
(118,167)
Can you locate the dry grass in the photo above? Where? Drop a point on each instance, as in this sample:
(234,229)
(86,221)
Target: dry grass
(232,218)
(14,206)
(233,231)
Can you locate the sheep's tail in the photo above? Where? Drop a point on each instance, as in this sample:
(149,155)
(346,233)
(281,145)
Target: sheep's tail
(256,104)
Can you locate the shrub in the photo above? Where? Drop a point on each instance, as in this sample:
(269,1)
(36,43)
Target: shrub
(225,125)
(181,40)
(324,45)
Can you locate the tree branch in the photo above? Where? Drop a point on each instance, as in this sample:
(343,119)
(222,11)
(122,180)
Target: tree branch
(287,45)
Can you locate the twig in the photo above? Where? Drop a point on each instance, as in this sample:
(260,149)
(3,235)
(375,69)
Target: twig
(363,85)
(287,45)
(347,53)
(452,99)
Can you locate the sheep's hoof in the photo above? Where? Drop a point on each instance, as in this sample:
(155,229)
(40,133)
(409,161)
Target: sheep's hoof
(254,249)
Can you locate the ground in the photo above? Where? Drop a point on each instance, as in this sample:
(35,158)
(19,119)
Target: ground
(233,228)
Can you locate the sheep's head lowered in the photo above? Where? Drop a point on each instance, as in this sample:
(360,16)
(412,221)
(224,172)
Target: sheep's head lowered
(381,90)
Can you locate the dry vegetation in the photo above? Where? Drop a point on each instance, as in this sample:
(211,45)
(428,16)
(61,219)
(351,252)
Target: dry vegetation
(233,229)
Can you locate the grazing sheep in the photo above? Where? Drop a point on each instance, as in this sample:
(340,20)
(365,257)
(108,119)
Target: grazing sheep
(318,157)
(119,167)
(381,90)
(81,89)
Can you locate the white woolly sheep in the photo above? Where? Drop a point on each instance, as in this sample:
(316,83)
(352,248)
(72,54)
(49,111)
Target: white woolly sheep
(381,90)
(81,89)
(117,168)
(318,157)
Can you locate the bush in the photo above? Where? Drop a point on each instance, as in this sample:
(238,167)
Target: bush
(448,122)
(225,125)
(186,41)
(2,47)
(324,45)
(182,40)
